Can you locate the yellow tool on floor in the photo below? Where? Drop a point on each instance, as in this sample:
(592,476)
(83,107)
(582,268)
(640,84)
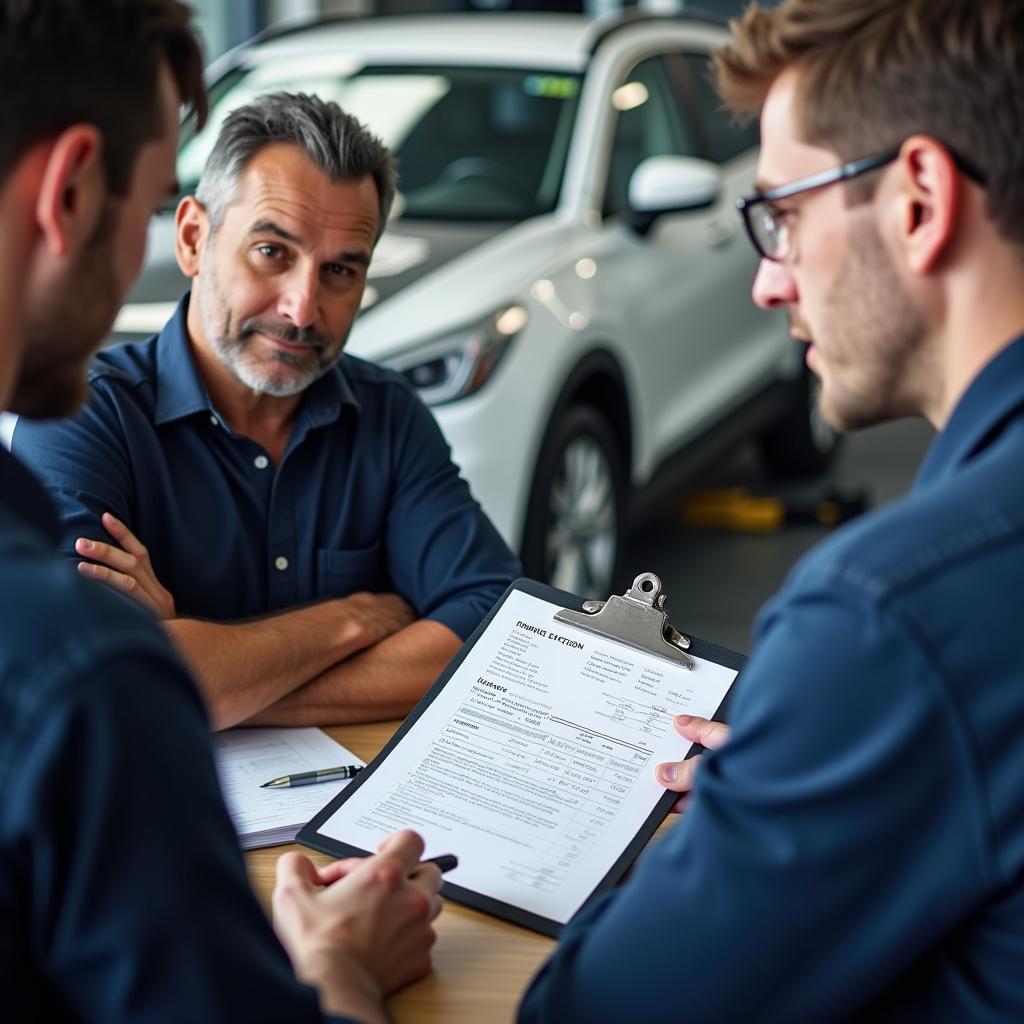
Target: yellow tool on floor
(736,508)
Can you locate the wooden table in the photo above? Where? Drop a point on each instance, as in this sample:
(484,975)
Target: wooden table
(481,964)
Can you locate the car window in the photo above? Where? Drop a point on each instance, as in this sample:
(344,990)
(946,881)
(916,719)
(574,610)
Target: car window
(649,121)
(723,136)
(470,143)
(493,143)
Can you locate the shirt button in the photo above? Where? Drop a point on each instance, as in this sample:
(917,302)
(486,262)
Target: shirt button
(281,563)
(261,461)
(213,420)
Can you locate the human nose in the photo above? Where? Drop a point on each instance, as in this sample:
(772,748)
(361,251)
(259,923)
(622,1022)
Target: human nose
(774,285)
(299,299)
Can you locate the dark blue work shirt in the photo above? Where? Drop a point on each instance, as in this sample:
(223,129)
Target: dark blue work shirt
(123,895)
(856,850)
(365,498)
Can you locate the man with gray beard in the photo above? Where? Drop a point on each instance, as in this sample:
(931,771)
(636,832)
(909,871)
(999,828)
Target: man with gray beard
(291,513)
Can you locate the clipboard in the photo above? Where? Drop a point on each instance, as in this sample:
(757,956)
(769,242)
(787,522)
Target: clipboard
(579,781)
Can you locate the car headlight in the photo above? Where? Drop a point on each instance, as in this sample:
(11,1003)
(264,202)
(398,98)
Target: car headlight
(460,363)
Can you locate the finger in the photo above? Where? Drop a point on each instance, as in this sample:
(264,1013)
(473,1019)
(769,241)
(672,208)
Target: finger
(127,584)
(338,869)
(701,730)
(405,847)
(123,535)
(436,906)
(399,605)
(678,775)
(428,878)
(108,554)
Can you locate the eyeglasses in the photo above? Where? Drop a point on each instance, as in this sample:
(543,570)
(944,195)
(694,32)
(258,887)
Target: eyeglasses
(769,227)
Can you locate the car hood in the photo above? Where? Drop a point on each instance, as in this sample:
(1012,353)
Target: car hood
(410,250)
(455,283)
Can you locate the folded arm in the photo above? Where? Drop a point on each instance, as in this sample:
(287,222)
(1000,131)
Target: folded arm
(244,668)
(382,681)
(352,659)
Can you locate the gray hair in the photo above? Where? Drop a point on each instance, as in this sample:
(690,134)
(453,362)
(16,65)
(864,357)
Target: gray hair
(337,143)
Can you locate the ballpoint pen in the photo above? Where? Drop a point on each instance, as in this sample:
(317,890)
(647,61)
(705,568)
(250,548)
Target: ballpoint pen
(444,861)
(345,771)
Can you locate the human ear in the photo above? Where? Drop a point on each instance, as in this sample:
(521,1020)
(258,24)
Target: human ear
(931,194)
(72,190)
(192,232)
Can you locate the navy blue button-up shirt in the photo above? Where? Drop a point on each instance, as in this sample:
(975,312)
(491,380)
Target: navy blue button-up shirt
(365,498)
(856,850)
(123,894)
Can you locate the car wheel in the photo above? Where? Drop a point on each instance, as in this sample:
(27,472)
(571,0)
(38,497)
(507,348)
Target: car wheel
(802,443)
(574,524)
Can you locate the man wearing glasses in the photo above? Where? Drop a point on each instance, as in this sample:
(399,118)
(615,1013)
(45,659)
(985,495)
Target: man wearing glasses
(854,849)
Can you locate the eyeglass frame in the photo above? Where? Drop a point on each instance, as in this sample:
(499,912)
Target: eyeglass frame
(830,176)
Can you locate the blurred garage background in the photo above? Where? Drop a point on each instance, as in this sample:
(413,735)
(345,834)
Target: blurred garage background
(225,23)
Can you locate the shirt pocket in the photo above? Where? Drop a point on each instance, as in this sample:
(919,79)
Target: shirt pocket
(340,573)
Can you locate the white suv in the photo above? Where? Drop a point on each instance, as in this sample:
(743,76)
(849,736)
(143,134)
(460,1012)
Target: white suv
(565,278)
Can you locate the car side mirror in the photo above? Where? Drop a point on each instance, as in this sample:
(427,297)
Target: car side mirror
(670,184)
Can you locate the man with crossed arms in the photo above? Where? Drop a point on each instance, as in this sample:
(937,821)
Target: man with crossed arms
(290,512)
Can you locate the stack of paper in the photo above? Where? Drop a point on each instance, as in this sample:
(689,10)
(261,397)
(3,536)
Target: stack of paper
(246,758)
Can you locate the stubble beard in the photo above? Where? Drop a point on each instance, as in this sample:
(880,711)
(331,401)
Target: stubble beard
(231,343)
(871,344)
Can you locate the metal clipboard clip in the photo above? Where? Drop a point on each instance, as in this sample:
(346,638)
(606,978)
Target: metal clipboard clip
(637,619)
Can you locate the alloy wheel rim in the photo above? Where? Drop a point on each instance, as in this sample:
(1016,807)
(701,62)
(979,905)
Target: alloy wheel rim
(580,543)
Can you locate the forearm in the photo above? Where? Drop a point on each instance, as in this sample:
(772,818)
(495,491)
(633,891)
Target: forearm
(382,681)
(243,667)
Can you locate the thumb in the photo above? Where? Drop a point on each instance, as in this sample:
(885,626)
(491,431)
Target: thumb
(405,846)
(704,731)
(296,869)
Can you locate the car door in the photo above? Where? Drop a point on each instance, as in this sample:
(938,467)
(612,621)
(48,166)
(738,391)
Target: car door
(682,291)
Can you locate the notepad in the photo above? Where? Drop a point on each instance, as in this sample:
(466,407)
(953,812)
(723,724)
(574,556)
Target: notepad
(246,758)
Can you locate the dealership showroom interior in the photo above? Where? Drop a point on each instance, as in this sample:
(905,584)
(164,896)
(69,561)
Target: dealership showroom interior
(502,510)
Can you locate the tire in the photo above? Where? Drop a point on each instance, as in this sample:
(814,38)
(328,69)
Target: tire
(801,444)
(576,515)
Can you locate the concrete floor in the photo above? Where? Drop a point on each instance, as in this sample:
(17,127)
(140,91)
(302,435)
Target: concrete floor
(717,579)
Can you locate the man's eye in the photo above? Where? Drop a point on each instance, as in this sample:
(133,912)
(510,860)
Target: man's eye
(339,270)
(778,214)
(269,252)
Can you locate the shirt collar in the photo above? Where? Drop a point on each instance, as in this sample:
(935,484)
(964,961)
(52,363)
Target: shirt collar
(325,398)
(180,392)
(991,399)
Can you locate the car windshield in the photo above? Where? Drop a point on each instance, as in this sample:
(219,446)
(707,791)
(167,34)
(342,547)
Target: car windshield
(470,143)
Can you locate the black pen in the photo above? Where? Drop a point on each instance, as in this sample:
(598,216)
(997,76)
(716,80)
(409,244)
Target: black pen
(444,861)
(345,771)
